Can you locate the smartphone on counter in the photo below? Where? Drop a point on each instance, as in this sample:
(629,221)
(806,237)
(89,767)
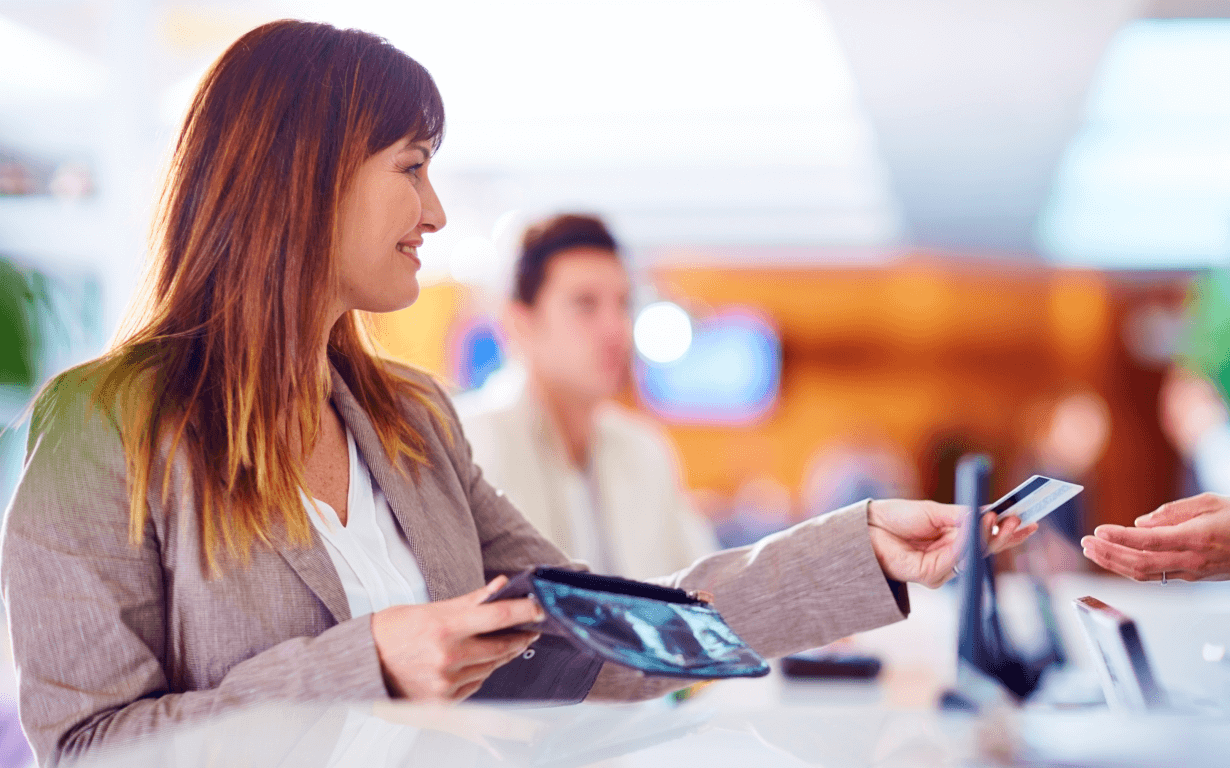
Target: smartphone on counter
(831,664)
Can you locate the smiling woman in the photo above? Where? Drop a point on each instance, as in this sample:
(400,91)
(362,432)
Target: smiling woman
(177,484)
(278,167)
(242,502)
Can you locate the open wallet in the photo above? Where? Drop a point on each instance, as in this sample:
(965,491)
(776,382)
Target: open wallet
(655,630)
(593,619)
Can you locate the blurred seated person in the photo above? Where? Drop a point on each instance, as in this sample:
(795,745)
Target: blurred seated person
(596,479)
(1194,419)
(1188,539)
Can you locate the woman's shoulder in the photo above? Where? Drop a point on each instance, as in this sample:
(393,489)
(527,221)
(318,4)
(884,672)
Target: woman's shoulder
(419,381)
(101,385)
(74,396)
(85,404)
(416,376)
(74,476)
(424,399)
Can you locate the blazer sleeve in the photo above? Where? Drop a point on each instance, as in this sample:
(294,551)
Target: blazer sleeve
(87,609)
(804,587)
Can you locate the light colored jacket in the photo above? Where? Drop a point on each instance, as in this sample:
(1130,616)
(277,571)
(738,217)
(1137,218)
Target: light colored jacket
(114,642)
(644,518)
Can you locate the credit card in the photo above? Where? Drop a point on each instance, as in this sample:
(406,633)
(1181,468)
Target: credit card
(1035,498)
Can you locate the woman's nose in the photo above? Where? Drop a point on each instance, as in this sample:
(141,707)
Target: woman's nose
(433,218)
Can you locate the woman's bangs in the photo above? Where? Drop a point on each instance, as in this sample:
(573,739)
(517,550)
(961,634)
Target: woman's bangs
(407,103)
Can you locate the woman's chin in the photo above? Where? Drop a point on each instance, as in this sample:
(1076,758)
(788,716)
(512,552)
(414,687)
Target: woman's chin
(391,303)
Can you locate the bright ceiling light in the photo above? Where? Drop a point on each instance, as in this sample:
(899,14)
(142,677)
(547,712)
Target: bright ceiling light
(663,332)
(1145,181)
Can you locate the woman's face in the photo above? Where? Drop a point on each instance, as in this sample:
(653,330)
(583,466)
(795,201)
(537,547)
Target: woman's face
(385,212)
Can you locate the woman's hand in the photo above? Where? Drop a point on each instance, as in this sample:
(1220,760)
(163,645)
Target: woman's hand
(1188,539)
(437,652)
(920,541)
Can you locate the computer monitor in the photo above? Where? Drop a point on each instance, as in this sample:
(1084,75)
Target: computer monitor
(981,641)
(1119,656)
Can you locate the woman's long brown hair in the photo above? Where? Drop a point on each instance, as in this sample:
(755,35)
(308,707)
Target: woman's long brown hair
(220,350)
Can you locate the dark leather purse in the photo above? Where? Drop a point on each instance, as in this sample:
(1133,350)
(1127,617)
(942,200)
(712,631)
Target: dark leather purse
(592,619)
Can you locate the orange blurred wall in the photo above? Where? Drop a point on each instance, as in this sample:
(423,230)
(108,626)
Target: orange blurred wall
(926,349)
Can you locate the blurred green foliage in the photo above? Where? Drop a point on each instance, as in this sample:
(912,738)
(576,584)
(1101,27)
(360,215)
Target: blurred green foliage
(1206,348)
(19,329)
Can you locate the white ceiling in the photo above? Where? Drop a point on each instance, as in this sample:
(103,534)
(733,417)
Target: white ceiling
(823,129)
(1146,177)
(973,103)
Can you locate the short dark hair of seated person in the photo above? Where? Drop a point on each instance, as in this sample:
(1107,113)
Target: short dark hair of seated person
(547,238)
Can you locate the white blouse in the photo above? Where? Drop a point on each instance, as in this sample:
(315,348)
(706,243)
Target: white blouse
(371,553)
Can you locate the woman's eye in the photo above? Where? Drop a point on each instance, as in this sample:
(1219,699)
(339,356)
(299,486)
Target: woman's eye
(412,170)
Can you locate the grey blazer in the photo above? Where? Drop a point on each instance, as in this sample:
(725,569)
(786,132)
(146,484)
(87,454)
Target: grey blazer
(113,641)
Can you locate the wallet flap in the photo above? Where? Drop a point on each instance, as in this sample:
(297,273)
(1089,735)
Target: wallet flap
(615,585)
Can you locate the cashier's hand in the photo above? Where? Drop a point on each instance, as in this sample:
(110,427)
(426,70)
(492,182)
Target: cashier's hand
(920,541)
(1189,539)
(437,652)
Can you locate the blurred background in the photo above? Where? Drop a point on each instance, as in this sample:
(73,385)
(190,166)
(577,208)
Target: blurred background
(868,235)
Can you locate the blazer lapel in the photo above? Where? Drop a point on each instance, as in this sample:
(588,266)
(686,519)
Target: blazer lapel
(314,566)
(431,550)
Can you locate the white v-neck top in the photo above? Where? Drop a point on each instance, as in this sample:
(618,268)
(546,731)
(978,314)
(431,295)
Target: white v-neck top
(371,553)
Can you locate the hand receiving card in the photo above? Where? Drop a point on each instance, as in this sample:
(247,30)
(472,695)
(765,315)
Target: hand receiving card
(1035,498)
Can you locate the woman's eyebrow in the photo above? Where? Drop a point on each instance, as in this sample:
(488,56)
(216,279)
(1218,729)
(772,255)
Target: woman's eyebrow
(412,146)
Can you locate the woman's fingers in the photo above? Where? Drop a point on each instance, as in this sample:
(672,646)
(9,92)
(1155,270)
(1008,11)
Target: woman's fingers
(501,614)
(1182,510)
(1151,539)
(946,515)
(1000,535)
(1138,564)
(1179,576)
(1011,533)
(986,524)
(1006,534)
(1003,529)
(480,595)
(493,648)
(466,692)
(430,652)
(493,586)
(469,679)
